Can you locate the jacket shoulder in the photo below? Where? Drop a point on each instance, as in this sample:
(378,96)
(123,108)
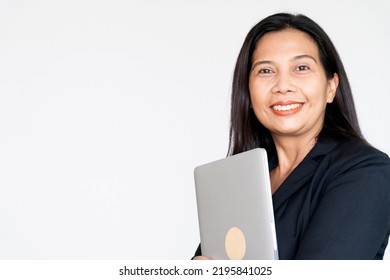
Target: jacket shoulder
(355,151)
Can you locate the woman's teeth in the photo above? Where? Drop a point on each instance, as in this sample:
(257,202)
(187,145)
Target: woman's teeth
(286,107)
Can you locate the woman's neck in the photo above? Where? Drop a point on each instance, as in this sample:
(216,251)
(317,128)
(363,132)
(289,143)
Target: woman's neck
(290,151)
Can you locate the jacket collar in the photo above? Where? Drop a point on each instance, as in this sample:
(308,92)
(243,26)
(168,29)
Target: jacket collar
(302,173)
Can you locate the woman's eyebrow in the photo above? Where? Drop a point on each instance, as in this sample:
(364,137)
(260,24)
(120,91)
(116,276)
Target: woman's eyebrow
(260,62)
(257,63)
(304,56)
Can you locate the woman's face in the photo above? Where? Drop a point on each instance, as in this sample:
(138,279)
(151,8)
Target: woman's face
(288,86)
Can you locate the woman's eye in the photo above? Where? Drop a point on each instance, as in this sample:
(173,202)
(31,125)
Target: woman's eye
(265,71)
(302,68)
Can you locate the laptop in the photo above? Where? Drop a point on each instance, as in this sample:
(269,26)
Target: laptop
(235,211)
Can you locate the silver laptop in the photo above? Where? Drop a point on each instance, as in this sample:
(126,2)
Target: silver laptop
(235,210)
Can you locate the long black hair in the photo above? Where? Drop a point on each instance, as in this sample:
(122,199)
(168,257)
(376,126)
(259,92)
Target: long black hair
(246,132)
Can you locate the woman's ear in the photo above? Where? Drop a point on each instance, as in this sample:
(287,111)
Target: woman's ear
(332,88)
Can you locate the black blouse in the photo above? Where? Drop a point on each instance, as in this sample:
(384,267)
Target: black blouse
(335,204)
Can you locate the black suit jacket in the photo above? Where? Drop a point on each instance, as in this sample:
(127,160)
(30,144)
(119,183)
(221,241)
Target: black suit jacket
(335,204)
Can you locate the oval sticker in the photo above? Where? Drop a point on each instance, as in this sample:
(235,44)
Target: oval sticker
(235,244)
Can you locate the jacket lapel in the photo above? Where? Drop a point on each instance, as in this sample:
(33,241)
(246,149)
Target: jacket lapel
(302,173)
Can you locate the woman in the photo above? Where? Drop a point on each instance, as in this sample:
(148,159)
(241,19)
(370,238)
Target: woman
(291,96)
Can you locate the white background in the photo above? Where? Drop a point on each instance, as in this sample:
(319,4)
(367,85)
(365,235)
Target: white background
(107,106)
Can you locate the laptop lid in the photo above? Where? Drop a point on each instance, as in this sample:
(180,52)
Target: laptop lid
(235,210)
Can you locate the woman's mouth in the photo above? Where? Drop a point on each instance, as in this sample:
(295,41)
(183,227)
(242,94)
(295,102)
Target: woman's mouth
(286,108)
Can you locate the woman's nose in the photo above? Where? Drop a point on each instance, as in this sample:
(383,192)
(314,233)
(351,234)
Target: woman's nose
(283,84)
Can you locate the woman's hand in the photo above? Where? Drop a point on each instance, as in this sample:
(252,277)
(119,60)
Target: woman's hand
(200,258)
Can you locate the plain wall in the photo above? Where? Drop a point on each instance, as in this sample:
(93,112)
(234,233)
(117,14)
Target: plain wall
(107,106)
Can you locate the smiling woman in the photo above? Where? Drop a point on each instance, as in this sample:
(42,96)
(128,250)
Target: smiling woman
(291,96)
(288,86)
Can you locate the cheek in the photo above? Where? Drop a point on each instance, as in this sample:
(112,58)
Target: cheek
(317,92)
(259,107)
(258,104)
(257,94)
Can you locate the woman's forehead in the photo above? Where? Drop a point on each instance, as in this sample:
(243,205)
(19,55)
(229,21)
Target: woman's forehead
(286,42)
